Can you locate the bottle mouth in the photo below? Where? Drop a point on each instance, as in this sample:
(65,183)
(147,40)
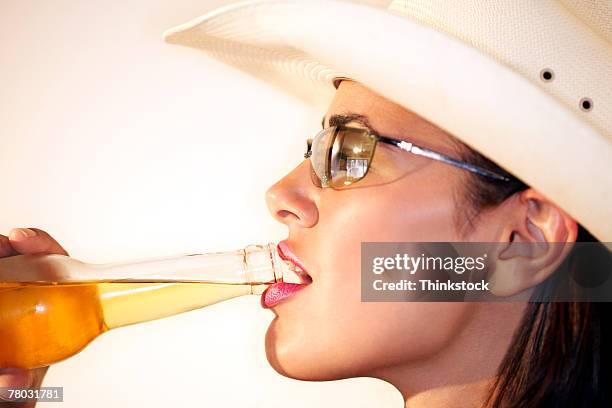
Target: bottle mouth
(302,277)
(260,260)
(295,270)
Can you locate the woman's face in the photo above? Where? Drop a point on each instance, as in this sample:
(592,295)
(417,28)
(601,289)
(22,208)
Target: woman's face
(325,331)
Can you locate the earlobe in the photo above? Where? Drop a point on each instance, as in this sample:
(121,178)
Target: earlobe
(542,236)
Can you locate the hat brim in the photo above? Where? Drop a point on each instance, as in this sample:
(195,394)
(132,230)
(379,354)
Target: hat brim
(301,46)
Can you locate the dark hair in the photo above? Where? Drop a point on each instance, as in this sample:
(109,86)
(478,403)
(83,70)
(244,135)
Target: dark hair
(560,353)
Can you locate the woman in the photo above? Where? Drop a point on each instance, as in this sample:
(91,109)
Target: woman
(500,77)
(437,354)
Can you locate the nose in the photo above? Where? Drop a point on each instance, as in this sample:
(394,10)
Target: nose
(290,200)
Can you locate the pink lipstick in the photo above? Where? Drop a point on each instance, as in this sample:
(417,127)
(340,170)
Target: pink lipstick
(280,291)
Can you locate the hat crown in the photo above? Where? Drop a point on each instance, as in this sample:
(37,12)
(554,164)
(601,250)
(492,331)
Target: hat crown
(595,13)
(564,47)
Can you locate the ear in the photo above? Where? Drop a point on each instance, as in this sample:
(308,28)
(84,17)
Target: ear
(536,238)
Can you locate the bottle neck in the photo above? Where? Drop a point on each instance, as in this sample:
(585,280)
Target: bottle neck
(152,289)
(252,265)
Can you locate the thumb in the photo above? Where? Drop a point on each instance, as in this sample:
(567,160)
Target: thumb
(15,378)
(19,378)
(34,241)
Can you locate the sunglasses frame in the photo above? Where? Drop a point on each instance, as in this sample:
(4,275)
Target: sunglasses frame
(406,146)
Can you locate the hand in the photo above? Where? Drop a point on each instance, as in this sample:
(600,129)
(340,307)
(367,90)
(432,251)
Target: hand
(25,241)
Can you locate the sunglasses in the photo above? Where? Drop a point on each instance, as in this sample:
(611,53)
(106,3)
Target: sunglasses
(341,156)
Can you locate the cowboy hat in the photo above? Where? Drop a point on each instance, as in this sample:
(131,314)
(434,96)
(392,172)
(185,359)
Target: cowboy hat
(527,83)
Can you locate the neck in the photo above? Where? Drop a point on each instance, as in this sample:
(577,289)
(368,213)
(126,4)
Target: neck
(459,375)
(470,395)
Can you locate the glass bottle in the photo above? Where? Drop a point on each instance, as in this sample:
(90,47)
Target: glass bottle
(52,306)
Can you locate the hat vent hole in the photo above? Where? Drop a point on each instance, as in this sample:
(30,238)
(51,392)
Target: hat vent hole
(547,75)
(586,104)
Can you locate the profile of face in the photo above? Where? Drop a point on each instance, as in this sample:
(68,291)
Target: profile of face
(325,331)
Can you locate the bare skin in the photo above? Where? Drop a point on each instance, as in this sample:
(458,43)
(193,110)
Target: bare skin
(435,354)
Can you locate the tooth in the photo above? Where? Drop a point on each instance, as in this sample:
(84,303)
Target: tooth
(295,274)
(293,267)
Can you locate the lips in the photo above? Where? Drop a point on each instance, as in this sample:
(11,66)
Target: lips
(280,291)
(285,253)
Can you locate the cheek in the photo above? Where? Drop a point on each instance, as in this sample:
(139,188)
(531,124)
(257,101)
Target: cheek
(326,332)
(379,335)
(422,211)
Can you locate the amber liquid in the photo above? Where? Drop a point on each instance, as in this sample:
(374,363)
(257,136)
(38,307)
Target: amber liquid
(41,324)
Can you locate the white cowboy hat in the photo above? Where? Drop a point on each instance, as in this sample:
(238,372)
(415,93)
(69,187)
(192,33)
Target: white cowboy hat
(527,83)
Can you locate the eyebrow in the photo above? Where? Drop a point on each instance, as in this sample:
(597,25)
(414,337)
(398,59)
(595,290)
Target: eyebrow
(343,119)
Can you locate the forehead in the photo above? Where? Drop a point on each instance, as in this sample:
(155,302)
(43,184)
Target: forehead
(359,99)
(387,117)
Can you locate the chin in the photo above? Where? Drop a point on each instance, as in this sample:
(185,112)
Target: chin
(282,359)
(300,363)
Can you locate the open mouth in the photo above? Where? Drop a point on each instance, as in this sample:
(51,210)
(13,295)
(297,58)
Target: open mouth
(280,291)
(293,262)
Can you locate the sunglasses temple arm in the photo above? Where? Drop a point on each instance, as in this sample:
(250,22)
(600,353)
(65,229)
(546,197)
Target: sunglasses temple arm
(409,147)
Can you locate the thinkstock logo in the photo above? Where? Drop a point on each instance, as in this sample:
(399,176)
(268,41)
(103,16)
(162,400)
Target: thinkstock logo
(462,271)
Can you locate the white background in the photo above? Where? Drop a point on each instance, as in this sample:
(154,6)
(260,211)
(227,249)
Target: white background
(124,147)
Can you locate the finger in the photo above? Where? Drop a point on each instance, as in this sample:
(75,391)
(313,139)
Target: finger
(34,241)
(6,249)
(20,378)
(15,377)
